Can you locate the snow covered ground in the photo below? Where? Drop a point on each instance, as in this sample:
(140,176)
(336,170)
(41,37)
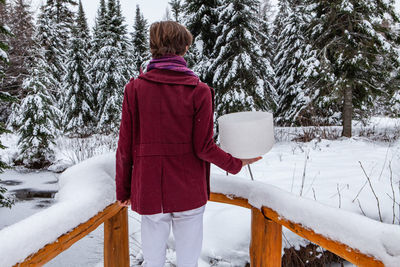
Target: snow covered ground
(330,171)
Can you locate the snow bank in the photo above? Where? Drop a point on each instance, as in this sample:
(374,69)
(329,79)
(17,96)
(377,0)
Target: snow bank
(369,236)
(85,189)
(377,128)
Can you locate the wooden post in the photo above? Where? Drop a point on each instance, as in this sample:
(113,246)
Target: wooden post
(266,241)
(116,240)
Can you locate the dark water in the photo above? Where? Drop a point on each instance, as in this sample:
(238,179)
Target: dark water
(31,191)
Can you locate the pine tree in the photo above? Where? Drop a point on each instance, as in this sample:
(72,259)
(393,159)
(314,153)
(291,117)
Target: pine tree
(63,11)
(100,27)
(21,43)
(177,9)
(242,78)
(37,113)
(391,100)
(96,43)
(293,63)
(54,31)
(394,103)
(5,201)
(283,11)
(201,18)
(357,55)
(5,36)
(266,42)
(55,24)
(140,44)
(267,9)
(61,15)
(79,115)
(267,46)
(111,67)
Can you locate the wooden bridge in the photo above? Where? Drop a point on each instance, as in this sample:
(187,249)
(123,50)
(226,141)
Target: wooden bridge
(265,244)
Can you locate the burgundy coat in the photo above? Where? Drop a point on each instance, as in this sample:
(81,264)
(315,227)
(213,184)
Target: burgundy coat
(166,145)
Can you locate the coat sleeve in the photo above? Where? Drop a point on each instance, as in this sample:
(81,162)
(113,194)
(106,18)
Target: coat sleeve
(124,149)
(203,132)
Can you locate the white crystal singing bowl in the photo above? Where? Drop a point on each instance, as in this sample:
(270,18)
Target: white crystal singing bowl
(246,134)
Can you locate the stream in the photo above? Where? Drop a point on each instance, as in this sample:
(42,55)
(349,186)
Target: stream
(34,191)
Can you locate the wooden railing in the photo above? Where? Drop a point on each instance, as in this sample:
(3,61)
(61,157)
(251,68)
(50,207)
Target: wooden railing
(265,243)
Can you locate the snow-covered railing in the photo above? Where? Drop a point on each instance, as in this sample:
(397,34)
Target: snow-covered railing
(84,201)
(88,188)
(356,238)
(116,248)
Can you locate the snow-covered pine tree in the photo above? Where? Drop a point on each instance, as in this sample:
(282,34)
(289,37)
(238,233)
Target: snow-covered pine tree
(5,36)
(356,53)
(293,63)
(78,113)
(176,9)
(394,103)
(140,43)
(22,27)
(264,30)
(266,41)
(5,201)
(54,30)
(267,9)
(241,75)
(283,11)
(117,36)
(55,24)
(201,18)
(391,101)
(36,117)
(96,43)
(100,27)
(61,14)
(111,67)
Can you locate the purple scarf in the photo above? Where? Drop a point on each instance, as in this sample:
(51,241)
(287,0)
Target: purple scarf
(170,62)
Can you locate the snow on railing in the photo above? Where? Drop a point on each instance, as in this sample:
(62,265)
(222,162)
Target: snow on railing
(354,237)
(87,191)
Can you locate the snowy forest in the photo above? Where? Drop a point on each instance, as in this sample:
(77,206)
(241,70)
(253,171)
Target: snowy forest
(316,63)
(327,70)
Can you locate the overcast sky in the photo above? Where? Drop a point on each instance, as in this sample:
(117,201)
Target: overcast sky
(153,10)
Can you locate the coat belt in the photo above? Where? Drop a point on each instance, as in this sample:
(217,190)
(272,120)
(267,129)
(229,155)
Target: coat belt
(163,149)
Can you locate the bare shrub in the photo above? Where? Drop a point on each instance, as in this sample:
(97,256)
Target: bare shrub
(373,191)
(317,132)
(379,134)
(79,149)
(311,256)
(307,133)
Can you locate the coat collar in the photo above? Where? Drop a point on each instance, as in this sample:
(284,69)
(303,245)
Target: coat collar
(169,76)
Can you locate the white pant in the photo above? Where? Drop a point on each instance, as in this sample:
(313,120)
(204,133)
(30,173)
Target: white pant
(187,228)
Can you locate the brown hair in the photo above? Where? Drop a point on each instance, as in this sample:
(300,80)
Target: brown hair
(169,37)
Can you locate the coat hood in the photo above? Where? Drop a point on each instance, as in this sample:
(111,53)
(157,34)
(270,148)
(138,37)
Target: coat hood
(169,77)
